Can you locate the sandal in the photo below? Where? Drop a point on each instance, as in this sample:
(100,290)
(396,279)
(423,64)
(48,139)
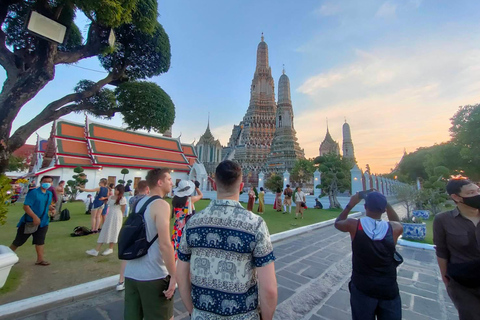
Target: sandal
(42,263)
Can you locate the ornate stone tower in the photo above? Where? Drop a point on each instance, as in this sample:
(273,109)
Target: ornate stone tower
(329,145)
(285,149)
(348,151)
(255,133)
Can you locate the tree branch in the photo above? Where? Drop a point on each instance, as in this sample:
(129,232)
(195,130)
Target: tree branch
(90,49)
(57,109)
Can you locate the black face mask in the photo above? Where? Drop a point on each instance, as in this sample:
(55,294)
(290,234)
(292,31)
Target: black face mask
(473,202)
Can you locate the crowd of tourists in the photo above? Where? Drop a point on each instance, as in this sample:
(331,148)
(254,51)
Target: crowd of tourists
(222,258)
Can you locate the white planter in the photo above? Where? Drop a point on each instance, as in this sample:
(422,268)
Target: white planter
(7,259)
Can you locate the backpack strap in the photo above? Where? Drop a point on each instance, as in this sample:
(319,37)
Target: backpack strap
(142,212)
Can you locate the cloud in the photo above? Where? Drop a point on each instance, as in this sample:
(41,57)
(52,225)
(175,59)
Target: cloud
(387,10)
(393,97)
(328,9)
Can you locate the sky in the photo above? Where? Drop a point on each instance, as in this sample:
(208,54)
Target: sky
(397,71)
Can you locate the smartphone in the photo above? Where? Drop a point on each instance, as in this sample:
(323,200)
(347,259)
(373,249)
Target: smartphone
(363,194)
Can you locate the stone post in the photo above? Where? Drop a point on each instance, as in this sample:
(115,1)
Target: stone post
(366,175)
(203,179)
(261,180)
(419,186)
(317,180)
(286,179)
(356,177)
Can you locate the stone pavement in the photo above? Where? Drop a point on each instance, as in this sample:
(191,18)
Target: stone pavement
(313,271)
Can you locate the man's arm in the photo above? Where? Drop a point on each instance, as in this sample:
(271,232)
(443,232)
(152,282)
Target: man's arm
(184,285)
(267,290)
(442,264)
(161,211)
(391,214)
(345,224)
(28,211)
(440,241)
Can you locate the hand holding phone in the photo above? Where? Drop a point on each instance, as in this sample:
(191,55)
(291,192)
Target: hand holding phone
(363,194)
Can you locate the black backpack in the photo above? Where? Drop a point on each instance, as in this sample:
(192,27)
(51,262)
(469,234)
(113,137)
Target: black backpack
(132,241)
(80,231)
(65,215)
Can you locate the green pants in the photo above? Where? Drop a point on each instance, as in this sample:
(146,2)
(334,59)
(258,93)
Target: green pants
(145,300)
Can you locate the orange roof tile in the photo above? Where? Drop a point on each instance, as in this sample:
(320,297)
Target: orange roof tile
(72,147)
(70,130)
(124,162)
(139,152)
(188,150)
(73,161)
(99,131)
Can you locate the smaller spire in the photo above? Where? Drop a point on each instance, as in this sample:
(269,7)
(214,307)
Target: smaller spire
(327,124)
(345,119)
(208,121)
(283,71)
(262,37)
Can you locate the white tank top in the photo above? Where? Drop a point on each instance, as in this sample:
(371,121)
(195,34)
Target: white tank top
(151,266)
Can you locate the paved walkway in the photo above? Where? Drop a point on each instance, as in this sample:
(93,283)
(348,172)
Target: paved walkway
(313,271)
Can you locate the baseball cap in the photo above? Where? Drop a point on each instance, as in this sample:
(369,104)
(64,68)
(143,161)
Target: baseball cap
(376,202)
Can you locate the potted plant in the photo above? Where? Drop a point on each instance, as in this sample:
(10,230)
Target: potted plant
(413,227)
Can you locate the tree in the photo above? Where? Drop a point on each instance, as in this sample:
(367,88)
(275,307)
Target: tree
(465,132)
(302,171)
(433,193)
(79,180)
(335,176)
(274,182)
(124,172)
(141,51)
(17,164)
(407,195)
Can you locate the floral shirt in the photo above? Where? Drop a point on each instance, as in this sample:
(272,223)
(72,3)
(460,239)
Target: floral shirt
(224,244)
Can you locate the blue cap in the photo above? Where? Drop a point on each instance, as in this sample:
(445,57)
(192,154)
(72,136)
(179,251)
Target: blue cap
(376,202)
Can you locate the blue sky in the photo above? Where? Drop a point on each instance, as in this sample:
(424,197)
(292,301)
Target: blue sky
(397,70)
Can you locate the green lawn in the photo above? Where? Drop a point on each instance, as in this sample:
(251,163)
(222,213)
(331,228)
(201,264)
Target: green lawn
(71,266)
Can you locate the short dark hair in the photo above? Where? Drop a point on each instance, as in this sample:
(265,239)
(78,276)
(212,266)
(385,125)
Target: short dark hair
(61,181)
(111,185)
(288,186)
(227,174)
(454,186)
(46,177)
(154,175)
(261,188)
(141,185)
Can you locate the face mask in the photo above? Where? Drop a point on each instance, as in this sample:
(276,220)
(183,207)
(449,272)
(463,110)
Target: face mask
(473,202)
(46,185)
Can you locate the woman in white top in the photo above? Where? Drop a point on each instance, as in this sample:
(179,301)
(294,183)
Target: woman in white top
(299,198)
(113,222)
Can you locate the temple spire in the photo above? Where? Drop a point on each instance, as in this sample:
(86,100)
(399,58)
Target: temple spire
(283,71)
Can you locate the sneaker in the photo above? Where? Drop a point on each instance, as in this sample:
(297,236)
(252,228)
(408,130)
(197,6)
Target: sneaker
(92,252)
(107,252)
(121,286)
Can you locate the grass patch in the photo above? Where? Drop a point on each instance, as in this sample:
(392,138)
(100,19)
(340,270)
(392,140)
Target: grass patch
(71,266)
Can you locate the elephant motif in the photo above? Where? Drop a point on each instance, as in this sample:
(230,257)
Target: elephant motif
(229,305)
(251,301)
(194,237)
(227,267)
(235,241)
(213,237)
(202,263)
(206,300)
(248,268)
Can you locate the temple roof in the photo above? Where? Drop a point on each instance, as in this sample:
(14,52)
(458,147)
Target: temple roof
(96,145)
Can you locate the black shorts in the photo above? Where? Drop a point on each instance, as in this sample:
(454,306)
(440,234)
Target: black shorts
(38,236)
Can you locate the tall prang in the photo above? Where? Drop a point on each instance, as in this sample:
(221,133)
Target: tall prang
(328,145)
(348,151)
(250,142)
(285,150)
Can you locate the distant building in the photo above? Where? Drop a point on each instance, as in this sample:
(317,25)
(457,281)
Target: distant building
(348,151)
(329,145)
(209,151)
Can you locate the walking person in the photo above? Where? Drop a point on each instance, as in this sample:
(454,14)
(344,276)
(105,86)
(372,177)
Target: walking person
(251,199)
(150,279)
(98,203)
(455,235)
(299,202)
(113,223)
(278,200)
(261,201)
(183,207)
(226,260)
(141,191)
(111,190)
(373,287)
(35,220)
(287,199)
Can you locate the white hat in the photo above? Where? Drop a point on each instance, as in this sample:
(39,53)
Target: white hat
(185,188)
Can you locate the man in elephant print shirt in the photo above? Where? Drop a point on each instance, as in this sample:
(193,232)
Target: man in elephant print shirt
(225,250)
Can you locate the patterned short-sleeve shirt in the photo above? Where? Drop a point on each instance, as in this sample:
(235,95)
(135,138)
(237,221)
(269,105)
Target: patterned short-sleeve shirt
(224,244)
